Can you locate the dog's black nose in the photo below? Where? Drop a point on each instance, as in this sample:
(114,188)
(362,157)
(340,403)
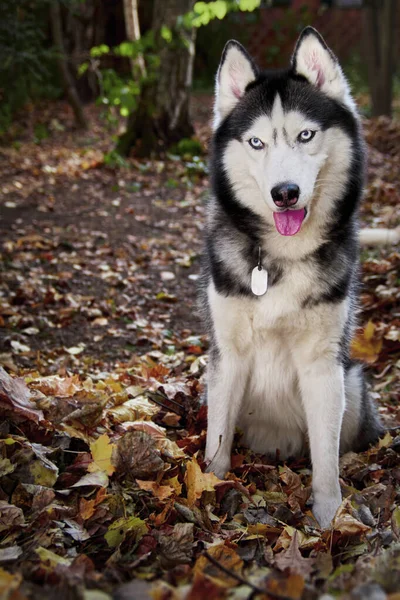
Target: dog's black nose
(285,194)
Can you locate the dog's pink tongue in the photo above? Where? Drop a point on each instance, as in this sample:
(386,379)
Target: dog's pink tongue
(289,222)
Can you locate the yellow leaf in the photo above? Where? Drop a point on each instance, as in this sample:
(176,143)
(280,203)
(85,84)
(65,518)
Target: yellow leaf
(366,346)
(117,531)
(101,451)
(174,483)
(198,482)
(51,558)
(385,441)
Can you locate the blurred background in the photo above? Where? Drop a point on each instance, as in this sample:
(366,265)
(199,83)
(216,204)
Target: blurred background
(138,60)
(105,112)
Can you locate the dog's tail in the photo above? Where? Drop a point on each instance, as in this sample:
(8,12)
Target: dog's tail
(379,237)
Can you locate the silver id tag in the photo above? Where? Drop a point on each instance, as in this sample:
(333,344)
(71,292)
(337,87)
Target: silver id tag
(259,281)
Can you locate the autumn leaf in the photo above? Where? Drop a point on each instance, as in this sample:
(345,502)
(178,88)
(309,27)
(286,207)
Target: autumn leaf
(86,508)
(15,396)
(50,558)
(162,492)
(227,558)
(102,450)
(366,346)
(198,482)
(9,583)
(293,560)
(345,523)
(304,541)
(118,529)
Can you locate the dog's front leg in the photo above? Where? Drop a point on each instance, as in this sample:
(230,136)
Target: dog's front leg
(322,390)
(227,375)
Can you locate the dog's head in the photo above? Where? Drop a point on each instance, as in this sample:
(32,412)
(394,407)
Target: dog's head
(287,139)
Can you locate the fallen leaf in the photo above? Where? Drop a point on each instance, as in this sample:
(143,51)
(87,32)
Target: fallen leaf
(162,492)
(137,456)
(117,531)
(225,556)
(345,523)
(198,482)
(9,583)
(366,346)
(15,396)
(292,559)
(176,547)
(51,558)
(102,450)
(10,516)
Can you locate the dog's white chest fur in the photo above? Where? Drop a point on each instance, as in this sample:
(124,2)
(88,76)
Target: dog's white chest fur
(262,331)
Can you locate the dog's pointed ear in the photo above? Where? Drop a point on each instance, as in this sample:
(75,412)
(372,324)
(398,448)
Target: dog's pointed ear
(316,62)
(236,70)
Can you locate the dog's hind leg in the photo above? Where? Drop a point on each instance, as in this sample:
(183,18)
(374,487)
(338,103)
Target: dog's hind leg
(322,388)
(227,377)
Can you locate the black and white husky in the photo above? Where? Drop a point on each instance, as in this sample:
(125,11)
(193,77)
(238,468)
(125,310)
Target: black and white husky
(281,265)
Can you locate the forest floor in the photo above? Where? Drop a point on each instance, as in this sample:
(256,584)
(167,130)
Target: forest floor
(103,355)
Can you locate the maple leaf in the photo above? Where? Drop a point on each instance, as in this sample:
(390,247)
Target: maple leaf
(293,560)
(162,492)
(198,482)
(102,450)
(366,346)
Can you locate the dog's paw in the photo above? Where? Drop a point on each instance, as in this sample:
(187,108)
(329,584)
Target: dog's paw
(220,466)
(325,508)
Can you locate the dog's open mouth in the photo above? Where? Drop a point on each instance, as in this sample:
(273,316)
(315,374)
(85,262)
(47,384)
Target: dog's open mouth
(288,222)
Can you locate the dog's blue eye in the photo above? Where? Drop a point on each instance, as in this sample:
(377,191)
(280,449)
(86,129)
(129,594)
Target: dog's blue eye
(256,143)
(306,135)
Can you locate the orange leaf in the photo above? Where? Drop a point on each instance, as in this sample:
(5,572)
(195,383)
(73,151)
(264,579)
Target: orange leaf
(86,508)
(159,491)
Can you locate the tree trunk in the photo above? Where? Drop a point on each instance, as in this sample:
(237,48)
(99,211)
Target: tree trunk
(68,83)
(162,116)
(379,33)
(133,32)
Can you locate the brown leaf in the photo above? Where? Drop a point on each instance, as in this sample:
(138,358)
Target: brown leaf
(137,456)
(286,587)
(345,523)
(15,396)
(10,516)
(293,560)
(176,548)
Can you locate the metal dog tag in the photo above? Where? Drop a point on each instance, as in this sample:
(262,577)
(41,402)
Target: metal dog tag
(259,281)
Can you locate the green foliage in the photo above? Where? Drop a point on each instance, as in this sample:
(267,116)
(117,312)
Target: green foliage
(187,147)
(204,12)
(115,160)
(27,64)
(119,92)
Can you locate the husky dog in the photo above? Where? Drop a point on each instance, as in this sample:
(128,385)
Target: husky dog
(281,266)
